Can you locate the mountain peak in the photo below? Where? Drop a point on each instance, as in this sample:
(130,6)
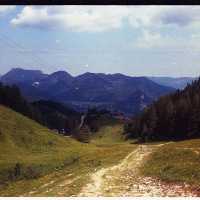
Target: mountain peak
(61,74)
(20,70)
(21,75)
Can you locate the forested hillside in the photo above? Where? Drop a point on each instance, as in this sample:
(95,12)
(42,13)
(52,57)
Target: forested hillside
(175,116)
(50,114)
(10,96)
(56,116)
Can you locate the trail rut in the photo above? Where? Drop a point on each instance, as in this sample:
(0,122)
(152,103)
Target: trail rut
(124,179)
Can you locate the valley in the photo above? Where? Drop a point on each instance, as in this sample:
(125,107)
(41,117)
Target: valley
(50,149)
(99,101)
(108,166)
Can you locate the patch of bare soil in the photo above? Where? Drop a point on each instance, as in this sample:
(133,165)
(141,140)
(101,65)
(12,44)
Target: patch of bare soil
(124,180)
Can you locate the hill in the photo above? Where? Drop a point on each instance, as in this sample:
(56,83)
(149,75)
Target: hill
(54,115)
(37,162)
(31,155)
(51,114)
(29,150)
(115,92)
(57,116)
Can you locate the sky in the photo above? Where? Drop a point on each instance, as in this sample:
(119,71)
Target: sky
(133,40)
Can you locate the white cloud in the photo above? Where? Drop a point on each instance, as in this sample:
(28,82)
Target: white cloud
(31,17)
(154,22)
(77,18)
(103,18)
(5,9)
(157,41)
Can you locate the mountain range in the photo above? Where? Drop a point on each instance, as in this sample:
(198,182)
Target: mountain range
(116,92)
(177,83)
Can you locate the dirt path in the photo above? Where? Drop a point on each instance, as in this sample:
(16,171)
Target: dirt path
(124,180)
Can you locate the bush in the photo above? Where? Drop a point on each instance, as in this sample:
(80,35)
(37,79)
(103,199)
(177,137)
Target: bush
(17,170)
(32,172)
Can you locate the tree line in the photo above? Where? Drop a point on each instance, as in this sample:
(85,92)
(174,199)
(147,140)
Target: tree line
(48,113)
(172,117)
(56,116)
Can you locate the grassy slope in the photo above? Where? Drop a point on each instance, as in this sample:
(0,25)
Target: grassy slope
(25,142)
(108,135)
(50,157)
(177,161)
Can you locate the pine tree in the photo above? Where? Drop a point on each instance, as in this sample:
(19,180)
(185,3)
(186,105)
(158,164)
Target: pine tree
(83,134)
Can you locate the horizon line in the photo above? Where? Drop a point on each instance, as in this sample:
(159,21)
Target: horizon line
(119,73)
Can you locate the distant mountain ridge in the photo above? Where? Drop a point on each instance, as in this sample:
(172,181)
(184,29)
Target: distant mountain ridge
(116,92)
(177,83)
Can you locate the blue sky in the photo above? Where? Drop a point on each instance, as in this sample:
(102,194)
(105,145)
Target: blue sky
(134,40)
